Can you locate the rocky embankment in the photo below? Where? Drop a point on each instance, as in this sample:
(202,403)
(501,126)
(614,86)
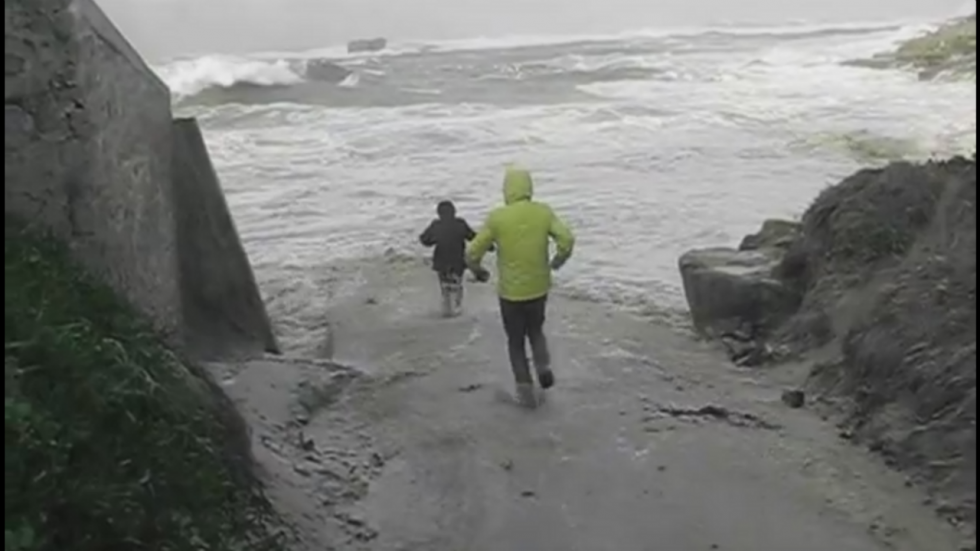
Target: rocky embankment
(947,52)
(875,290)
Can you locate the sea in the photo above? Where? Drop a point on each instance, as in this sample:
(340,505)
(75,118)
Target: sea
(648,143)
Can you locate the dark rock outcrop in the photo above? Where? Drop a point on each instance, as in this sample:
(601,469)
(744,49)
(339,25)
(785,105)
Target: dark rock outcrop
(775,235)
(367,45)
(889,260)
(884,274)
(321,70)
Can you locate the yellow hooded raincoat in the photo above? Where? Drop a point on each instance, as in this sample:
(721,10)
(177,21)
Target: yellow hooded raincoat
(522,230)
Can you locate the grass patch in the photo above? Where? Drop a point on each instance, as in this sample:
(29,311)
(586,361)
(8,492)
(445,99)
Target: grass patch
(111,442)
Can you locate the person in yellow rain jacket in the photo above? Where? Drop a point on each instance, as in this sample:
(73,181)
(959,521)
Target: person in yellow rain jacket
(522,231)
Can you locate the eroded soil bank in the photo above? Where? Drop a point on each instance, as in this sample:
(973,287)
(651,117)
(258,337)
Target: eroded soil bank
(874,296)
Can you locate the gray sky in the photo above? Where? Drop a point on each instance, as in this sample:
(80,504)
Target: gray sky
(166,28)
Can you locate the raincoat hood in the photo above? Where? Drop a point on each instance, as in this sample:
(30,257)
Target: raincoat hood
(522,231)
(446,210)
(518,186)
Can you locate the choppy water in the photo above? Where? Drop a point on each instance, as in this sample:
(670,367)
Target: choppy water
(649,144)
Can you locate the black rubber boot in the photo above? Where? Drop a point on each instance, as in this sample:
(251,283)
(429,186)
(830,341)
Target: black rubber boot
(546,378)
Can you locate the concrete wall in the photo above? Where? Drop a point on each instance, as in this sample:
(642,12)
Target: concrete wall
(90,155)
(223,312)
(87,142)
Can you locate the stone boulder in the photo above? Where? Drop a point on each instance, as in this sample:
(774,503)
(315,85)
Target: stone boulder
(367,45)
(735,297)
(775,236)
(321,70)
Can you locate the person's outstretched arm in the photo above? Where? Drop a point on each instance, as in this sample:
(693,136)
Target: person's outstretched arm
(428,237)
(564,242)
(479,247)
(468,230)
(471,235)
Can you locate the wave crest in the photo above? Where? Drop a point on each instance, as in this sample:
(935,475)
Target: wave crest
(190,77)
(523,71)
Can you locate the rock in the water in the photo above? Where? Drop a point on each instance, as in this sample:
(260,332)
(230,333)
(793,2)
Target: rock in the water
(322,70)
(795,399)
(367,45)
(734,293)
(776,235)
(747,351)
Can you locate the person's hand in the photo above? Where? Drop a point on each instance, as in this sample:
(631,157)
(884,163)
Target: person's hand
(481,275)
(557,263)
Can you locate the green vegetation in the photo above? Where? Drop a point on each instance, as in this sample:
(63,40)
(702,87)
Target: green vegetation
(953,41)
(111,442)
(864,146)
(949,51)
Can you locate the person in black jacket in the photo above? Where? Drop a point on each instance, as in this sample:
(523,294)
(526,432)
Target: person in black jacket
(448,235)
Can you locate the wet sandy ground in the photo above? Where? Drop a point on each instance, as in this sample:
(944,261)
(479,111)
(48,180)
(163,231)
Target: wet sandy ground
(650,442)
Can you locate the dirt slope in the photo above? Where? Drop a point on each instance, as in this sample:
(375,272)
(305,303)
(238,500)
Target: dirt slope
(887,265)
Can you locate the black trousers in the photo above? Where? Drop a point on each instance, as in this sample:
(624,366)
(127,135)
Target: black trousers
(524,323)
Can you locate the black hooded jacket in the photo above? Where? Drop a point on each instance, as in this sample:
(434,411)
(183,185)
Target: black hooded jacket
(448,234)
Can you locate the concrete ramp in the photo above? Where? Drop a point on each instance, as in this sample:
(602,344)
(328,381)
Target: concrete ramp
(224,314)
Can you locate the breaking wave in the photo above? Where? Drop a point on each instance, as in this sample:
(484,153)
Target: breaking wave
(650,143)
(624,57)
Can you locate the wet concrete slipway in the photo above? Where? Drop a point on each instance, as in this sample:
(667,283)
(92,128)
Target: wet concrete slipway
(650,442)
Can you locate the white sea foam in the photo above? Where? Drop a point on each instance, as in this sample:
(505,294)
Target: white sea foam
(188,77)
(712,142)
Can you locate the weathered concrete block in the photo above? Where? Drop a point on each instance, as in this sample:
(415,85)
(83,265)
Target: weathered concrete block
(19,128)
(734,292)
(87,152)
(14,65)
(224,314)
(92,154)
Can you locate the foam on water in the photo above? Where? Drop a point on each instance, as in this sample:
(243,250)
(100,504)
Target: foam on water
(649,144)
(188,77)
(352,81)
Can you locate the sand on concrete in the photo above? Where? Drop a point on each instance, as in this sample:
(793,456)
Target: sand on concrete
(651,440)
